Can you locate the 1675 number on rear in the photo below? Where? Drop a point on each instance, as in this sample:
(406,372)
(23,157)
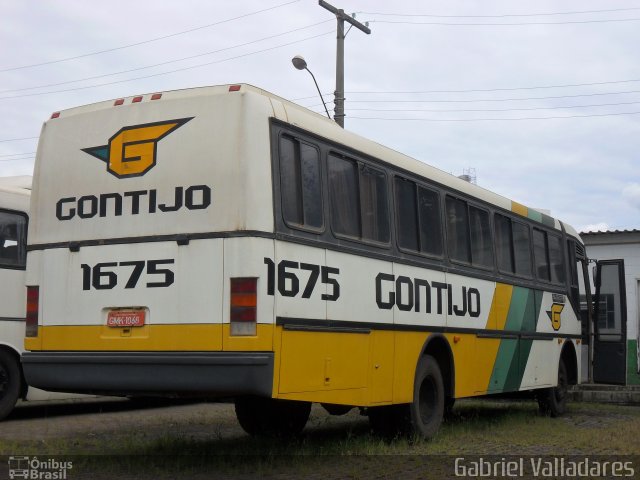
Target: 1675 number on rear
(104,276)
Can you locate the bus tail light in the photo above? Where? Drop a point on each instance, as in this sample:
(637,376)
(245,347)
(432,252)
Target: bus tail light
(33,298)
(244,305)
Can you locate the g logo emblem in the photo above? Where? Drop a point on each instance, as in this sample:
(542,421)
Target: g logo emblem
(131,152)
(554,315)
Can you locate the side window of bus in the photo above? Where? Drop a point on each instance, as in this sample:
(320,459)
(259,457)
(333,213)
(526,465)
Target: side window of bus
(556,259)
(469,233)
(513,245)
(300,184)
(573,273)
(549,256)
(418,217)
(481,242)
(13,240)
(504,244)
(458,230)
(359,203)
(541,254)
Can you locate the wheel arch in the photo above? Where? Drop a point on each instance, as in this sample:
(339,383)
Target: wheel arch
(569,355)
(4,347)
(438,347)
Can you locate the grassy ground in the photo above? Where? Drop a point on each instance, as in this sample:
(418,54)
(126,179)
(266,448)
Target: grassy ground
(191,439)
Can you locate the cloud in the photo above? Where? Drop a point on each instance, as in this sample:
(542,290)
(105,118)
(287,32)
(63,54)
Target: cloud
(631,193)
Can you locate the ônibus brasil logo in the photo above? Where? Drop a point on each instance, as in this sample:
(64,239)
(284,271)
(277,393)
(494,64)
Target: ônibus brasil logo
(131,152)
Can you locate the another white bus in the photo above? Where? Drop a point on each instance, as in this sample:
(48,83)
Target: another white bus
(14,207)
(223,241)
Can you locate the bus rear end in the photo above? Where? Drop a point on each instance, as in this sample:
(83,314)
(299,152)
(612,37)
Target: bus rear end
(142,211)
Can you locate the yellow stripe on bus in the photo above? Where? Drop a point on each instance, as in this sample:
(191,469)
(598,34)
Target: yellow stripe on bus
(487,348)
(519,209)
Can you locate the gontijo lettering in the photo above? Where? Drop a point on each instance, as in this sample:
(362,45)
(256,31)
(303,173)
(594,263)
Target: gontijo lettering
(195,197)
(420,295)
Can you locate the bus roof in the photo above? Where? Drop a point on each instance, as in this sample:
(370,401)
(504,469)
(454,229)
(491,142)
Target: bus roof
(320,125)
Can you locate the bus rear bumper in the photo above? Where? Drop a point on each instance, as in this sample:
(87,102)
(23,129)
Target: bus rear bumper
(181,374)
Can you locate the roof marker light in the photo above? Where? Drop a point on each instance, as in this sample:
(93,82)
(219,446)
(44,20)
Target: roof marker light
(136,99)
(156,96)
(55,114)
(119,101)
(234,88)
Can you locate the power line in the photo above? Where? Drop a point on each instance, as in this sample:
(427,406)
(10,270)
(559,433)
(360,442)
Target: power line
(472,90)
(500,16)
(165,62)
(149,40)
(169,71)
(494,99)
(492,110)
(475,90)
(17,154)
(17,139)
(16,159)
(494,119)
(505,24)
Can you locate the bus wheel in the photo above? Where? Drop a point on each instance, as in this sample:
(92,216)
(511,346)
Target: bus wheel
(10,382)
(553,401)
(271,417)
(423,417)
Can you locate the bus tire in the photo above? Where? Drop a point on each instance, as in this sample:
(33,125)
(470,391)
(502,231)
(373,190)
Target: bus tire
(422,418)
(259,416)
(553,401)
(10,382)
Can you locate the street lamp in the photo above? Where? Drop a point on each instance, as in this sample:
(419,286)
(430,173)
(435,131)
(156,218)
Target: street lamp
(301,64)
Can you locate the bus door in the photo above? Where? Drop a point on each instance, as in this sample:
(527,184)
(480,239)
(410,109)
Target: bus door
(610,324)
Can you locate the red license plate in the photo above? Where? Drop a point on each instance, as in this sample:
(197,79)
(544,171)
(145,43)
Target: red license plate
(125,318)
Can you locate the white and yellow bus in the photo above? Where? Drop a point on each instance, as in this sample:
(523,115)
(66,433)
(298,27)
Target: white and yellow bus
(14,220)
(223,241)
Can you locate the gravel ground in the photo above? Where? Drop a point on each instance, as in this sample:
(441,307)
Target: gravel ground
(118,438)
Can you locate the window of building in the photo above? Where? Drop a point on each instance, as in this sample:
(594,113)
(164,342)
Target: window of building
(359,202)
(300,184)
(13,240)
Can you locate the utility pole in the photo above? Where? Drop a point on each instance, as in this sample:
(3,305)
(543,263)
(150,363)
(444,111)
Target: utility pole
(339,93)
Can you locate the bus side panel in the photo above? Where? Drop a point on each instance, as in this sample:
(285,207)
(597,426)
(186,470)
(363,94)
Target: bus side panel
(542,363)
(245,257)
(178,287)
(12,308)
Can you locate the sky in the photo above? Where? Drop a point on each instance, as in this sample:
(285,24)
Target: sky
(540,99)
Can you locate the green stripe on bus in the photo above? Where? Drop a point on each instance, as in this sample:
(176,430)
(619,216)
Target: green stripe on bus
(548,221)
(535,215)
(512,356)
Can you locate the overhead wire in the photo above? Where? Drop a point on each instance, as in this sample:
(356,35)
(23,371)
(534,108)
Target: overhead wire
(501,16)
(163,37)
(494,119)
(496,109)
(167,72)
(17,139)
(167,61)
(503,24)
(16,154)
